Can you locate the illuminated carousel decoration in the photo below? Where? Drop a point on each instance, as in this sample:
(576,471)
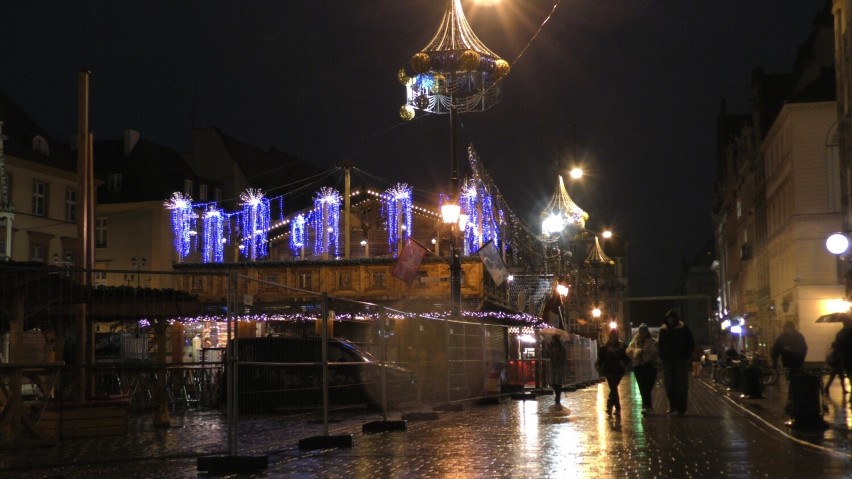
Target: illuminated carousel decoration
(183,223)
(562,212)
(254,220)
(455,71)
(396,205)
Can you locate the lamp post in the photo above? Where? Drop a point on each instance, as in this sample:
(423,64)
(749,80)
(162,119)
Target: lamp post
(457,222)
(138,265)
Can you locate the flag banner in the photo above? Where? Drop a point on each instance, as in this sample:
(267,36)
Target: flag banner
(493,262)
(408,261)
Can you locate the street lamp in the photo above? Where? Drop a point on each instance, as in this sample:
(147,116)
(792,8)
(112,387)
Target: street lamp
(453,217)
(138,265)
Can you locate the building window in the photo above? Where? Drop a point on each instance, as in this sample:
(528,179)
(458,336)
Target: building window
(39,198)
(378,279)
(202,192)
(101,230)
(187,187)
(71,206)
(40,145)
(217,194)
(37,253)
(2,248)
(114,182)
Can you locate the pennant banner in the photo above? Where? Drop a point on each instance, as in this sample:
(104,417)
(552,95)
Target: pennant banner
(408,261)
(493,262)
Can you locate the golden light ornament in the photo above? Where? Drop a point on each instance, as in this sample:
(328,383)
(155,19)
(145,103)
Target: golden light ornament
(501,68)
(469,60)
(403,78)
(421,62)
(406,112)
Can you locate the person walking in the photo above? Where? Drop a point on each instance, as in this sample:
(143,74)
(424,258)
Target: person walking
(613,360)
(643,352)
(558,358)
(791,347)
(675,345)
(834,362)
(843,343)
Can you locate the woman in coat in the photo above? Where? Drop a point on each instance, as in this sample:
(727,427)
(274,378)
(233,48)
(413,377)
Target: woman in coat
(613,360)
(643,351)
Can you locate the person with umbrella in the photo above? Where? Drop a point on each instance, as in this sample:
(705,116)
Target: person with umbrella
(843,343)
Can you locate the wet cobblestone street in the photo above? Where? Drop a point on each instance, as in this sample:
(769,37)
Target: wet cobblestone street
(721,436)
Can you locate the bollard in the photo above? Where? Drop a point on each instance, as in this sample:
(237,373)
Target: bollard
(751,386)
(733,377)
(806,401)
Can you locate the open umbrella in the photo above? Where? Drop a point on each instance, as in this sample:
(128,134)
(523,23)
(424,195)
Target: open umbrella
(833,318)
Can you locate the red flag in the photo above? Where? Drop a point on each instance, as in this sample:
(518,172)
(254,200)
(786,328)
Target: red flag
(493,262)
(408,261)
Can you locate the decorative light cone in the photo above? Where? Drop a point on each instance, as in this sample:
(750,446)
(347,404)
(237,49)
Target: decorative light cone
(455,70)
(561,211)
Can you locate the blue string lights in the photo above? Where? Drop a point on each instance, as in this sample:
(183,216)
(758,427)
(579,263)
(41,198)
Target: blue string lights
(298,234)
(183,223)
(254,221)
(214,238)
(325,221)
(396,205)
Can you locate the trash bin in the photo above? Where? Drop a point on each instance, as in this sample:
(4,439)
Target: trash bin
(805,400)
(751,386)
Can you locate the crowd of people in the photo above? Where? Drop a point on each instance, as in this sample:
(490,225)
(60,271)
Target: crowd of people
(675,355)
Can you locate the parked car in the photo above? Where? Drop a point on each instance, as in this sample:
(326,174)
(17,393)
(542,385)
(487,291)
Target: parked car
(278,373)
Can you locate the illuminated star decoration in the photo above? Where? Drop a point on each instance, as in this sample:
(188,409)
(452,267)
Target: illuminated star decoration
(213,237)
(396,202)
(325,220)
(183,223)
(298,234)
(254,220)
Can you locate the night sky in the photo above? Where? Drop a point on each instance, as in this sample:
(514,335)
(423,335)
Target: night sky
(634,85)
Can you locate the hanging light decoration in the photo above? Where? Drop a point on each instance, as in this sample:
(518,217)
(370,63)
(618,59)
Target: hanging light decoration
(455,70)
(183,223)
(213,239)
(325,221)
(298,235)
(396,202)
(254,220)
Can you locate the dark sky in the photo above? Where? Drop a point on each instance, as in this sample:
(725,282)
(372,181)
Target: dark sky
(637,84)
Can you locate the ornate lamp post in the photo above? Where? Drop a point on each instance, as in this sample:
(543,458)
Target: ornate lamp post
(457,222)
(454,73)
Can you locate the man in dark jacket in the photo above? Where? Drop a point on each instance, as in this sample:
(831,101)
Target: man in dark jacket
(791,347)
(675,346)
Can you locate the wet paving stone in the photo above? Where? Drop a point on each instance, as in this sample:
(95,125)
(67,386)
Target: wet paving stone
(720,436)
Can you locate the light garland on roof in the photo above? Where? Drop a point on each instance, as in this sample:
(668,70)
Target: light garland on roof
(298,234)
(361,316)
(214,238)
(254,220)
(183,223)
(325,221)
(396,202)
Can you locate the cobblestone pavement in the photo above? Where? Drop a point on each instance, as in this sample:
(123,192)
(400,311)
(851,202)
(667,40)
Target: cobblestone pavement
(722,435)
